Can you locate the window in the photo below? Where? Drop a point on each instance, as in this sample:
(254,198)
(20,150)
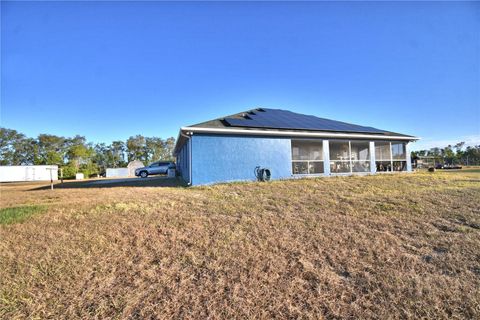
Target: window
(383,157)
(399,156)
(398,151)
(382,151)
(399,165)
(360,156)
(340,157)
(390,156)
(349,156)
(307,157)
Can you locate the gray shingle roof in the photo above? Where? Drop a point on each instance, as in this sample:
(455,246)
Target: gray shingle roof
(277,119)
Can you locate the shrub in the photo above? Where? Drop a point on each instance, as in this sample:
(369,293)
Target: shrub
(89,169)
(69,172)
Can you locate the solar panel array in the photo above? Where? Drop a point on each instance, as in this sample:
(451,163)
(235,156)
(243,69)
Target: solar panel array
(283,119)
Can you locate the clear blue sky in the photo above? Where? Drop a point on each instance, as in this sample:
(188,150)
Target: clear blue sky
(111,70)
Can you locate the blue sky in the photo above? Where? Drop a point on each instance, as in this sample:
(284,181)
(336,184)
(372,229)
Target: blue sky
(111,70)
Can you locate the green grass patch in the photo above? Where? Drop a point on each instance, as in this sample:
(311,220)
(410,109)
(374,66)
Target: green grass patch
(18,214)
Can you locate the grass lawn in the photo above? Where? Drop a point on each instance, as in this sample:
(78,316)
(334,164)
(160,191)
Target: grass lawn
(384,246)
(11,215)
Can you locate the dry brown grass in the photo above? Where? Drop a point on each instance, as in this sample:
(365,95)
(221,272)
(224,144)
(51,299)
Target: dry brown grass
(403,246)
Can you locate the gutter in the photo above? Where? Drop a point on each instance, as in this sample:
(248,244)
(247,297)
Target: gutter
(191,130)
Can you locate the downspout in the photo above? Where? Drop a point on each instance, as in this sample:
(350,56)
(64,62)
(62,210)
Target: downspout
(188,136)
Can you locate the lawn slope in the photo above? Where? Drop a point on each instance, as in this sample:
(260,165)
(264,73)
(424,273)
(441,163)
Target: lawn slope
(385,246)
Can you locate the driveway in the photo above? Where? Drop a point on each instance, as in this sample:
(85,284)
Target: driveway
(155,181)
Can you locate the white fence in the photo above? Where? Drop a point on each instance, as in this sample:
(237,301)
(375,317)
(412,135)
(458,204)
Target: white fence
(116,172)
(28,173)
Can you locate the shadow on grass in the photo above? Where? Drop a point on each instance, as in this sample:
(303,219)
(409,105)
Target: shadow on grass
(116,183)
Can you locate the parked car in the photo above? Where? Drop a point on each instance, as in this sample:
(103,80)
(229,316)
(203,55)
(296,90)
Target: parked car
(159,167)
(452,166)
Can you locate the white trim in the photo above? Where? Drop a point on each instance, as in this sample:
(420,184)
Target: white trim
(326,156)
(346,174)
(308,167)
(373,164)
(391,156)
(189,141)
(308,175)
(332,135)
(350,155)
(409,159)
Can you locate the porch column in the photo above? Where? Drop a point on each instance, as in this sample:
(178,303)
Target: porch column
(409,160)
(373,166)
(326,158)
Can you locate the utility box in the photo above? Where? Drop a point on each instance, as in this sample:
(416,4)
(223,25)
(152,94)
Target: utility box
(171,173)
(79,176)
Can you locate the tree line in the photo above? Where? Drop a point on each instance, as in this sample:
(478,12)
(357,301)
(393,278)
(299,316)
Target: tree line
(76,154)
(451,155)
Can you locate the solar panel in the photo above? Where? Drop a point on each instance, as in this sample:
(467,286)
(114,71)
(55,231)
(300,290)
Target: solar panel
(282,119)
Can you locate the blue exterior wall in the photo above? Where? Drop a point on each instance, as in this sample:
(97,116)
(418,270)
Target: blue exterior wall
(183,162)
(223,158)
(226,158)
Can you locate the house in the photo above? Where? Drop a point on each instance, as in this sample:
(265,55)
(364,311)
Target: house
(134,165)
(28,173)
(426,161)
(129,171)
(288,144)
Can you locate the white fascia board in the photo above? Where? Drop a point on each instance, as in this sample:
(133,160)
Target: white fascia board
(175,151)
(331,135)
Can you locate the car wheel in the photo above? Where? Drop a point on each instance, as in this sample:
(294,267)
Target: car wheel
(144,174)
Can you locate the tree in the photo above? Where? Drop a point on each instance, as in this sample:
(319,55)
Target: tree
(78,152)
(136,148)
(448,154)
(102,156)
(458,147)
(25,152)
(51,149)
(472,155)
(154,149)
(9,138)
(117,149)
(168,149)
(459,153)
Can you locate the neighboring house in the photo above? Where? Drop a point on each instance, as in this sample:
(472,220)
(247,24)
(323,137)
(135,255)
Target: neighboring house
(134,165)
(129,171)
(425,161)
(116,172)
(28,173)
(288,144)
